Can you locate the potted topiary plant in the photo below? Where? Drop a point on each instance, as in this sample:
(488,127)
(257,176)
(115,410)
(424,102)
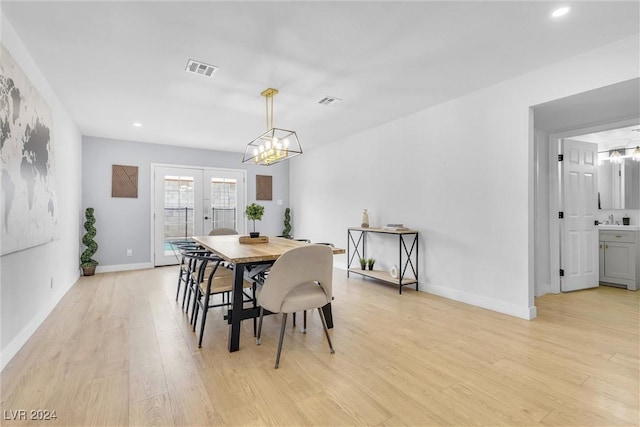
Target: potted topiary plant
(363,263)
(254,212)
(371,262)
(287,224)
(87,263)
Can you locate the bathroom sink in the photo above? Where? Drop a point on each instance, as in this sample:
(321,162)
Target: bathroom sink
(618,227)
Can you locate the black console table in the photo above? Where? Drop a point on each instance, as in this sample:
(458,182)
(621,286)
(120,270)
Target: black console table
(407,255)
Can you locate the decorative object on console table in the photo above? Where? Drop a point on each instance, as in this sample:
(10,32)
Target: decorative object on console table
(371,262)
(395,227)
(254,212)
(626,220)
(87,263)
(394,271)
(363,263)
(365,219)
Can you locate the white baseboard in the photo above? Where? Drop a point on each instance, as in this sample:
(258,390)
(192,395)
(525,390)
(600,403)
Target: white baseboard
(523,312)
(124,267)
(527,313)
(16,344)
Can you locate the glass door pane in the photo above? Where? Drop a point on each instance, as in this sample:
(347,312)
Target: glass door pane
(177,212)
(224,199)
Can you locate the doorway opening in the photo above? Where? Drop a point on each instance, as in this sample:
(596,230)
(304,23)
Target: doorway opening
(601,109)
(557,203)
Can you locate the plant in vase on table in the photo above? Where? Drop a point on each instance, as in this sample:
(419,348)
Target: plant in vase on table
(371,262)
(363,263)
(254,212)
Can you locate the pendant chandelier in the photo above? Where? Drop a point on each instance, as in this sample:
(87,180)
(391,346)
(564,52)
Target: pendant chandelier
(275,145)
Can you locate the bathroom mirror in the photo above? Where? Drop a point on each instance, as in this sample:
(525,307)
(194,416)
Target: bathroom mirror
(618,172)
(619,185)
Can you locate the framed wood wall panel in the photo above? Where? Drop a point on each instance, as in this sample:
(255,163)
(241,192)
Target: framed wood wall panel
(264,187)
(124,181)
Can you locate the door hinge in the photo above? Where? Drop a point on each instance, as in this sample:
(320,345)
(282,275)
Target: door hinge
(560,157)
(561,273)
(561,215)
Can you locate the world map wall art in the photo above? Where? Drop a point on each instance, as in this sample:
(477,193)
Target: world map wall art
(28,206)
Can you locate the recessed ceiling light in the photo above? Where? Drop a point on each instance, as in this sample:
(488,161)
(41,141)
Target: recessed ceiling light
(560,12)
(137,124)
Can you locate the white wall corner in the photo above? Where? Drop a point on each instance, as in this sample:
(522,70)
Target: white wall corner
(544,288)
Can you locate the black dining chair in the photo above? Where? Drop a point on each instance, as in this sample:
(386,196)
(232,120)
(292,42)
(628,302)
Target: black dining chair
(212,278)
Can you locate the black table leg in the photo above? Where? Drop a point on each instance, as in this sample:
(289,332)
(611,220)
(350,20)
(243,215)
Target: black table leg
(237,305)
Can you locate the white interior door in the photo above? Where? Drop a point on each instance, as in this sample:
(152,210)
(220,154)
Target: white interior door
(579,254)
(191,202)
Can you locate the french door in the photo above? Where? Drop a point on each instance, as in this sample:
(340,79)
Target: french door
(191,202)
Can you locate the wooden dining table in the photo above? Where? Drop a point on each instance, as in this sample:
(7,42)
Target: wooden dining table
(245,256)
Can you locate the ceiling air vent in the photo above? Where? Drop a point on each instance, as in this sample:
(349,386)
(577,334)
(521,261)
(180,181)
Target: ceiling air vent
(197,67)
(329,100)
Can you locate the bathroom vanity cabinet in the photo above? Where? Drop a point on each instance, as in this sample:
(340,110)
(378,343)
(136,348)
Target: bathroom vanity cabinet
(619,253)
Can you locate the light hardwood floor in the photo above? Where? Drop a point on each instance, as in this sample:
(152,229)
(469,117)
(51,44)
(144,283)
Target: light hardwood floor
(118,350)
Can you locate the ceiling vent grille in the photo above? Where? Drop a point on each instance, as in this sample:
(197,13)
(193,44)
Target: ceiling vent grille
(329,100)
(197,67)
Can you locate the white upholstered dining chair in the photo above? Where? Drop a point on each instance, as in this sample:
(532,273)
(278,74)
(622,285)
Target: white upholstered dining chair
(300,279)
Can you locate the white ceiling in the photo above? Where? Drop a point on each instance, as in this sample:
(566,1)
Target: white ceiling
(115,63)
(625,137)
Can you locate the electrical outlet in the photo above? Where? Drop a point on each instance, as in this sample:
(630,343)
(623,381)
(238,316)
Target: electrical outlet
(129,252)
(279,202)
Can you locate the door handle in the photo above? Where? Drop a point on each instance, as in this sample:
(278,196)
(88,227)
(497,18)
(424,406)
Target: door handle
(206,217)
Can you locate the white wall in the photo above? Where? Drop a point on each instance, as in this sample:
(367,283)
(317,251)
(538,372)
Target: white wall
(461,173)
(542,279)
(34,280)
(123,223)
